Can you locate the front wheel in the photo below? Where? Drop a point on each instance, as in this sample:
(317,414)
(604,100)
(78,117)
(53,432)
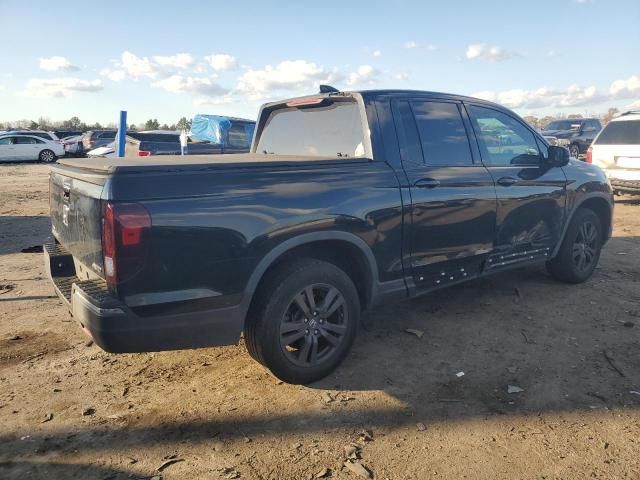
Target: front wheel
(580,250)
(304,320)
(47,156)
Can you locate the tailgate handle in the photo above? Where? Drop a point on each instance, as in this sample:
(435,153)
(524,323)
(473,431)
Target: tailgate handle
(66,187)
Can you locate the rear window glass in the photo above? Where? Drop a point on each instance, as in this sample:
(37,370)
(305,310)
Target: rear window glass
(240,135)
(620,133)
(107,135)
(333,130)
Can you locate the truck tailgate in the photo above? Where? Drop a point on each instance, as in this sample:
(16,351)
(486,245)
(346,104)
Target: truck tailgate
(75,208)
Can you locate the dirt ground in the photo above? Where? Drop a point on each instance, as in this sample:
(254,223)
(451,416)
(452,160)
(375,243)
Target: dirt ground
(399,402)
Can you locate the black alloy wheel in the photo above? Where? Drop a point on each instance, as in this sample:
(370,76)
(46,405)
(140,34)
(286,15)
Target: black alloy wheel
(314,325)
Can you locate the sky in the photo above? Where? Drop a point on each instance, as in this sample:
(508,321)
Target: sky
(165,60)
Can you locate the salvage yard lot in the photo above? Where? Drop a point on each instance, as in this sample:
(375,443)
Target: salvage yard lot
(70,410)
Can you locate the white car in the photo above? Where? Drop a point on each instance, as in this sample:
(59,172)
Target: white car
(73,145)
(28,147)
(616,150)
(107,151)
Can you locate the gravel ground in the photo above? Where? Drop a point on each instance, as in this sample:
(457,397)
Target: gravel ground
(399,404)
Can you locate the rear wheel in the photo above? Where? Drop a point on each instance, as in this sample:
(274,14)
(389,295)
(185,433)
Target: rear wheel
(47,156)
(304,320)
(580,249)
(574,150)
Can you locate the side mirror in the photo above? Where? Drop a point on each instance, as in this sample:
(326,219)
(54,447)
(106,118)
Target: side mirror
(558,156)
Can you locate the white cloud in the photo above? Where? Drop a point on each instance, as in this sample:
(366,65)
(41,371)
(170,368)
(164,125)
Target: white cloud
(633,106)
(115,75)
(179,60)
(626,88)
(220,100)
(54,64)
(572,96)
(377,53)
(403,77)
(59,87)
(364,75)
(411,44)
(487,53)
(287,75)
(222,61)
(195,85)
(137,67)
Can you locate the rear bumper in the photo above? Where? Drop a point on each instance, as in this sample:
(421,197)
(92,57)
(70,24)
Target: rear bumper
(624,180)
(116,328)
(625,186)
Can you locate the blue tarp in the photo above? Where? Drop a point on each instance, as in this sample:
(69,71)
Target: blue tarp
(210,128)
(214,128)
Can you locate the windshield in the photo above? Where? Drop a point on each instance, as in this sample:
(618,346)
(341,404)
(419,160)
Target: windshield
(620,133)
(563,125)
(333,130)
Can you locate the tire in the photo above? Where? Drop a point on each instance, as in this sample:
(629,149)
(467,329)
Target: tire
(580,250)
(574,150)
(300,347)
(47,156)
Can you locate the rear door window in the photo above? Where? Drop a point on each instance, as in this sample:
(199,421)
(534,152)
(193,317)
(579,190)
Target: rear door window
(407,131)
(625,132)
(442,134)
(25,141)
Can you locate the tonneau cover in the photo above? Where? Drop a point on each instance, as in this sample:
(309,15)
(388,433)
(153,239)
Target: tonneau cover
(171,162)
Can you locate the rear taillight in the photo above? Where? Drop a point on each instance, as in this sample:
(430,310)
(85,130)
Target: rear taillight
(125,230)
(144,153)
(589,158)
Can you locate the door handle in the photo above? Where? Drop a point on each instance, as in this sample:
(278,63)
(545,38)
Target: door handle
(507,181)
(427,183)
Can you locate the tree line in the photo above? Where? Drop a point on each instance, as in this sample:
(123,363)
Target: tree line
(74,123)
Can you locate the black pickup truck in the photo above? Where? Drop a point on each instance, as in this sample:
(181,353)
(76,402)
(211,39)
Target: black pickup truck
(346,201)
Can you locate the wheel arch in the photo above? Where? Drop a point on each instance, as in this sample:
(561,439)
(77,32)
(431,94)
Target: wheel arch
(601,205)
(346,250)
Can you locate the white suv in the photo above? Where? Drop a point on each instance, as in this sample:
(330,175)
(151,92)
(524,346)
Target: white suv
(616,150)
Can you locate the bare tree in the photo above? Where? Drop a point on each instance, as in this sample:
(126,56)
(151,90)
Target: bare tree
(612,112)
